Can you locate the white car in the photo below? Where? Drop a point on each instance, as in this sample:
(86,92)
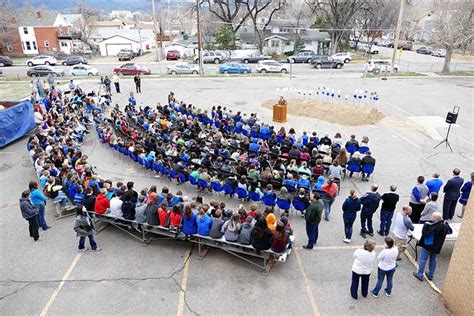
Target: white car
(439,53)
(344,57)
(41,60)
(374,50)
(83,70)
(377,66)
(264,66)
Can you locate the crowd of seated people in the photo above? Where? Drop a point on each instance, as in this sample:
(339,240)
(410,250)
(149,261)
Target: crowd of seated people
(196,147)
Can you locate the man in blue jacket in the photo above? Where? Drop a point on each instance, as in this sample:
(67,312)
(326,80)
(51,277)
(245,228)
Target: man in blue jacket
(451,194)
(370,202)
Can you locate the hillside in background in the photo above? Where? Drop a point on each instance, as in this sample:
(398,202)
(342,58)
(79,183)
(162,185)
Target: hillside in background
(106,5)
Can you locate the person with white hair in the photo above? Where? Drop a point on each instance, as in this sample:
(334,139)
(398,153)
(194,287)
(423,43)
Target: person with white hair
(403,224)
(432,239)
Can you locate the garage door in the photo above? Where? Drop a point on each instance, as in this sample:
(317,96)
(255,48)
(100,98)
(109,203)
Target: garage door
(113,49)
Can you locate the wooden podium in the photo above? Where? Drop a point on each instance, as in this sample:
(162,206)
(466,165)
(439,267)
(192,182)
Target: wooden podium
(280,110)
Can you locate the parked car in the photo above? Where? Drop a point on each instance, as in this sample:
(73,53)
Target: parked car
(403,44)
(425,50)
(374,50)
(234,68)
(41,60)
(44,70)
(125,54)
(211,57)
(83,70)
(254,58)
(321,61)
(173,55)
(5,61)
(264,66)
(132,69)
(74,60)
(302,57)
(182,68)
(439,53)
(344,57)
(377,66)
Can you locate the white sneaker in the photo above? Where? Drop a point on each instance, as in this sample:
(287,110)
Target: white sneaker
(346,240)
(40,239)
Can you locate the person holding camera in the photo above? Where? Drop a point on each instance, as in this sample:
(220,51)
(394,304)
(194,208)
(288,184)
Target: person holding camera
(84,227)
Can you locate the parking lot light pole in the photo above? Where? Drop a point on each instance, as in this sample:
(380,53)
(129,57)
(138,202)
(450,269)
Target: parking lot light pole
(155,32)
(397,35)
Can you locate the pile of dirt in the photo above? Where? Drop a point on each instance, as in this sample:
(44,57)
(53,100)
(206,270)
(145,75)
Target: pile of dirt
(333,113)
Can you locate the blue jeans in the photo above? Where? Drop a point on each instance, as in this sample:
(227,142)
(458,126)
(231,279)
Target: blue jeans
(424,256)
(62,198)
(41,219)
(385,222)
(327,208)
(366,218)
(348,227)
(355,284)
(312,232)
(380,277)
(82,241)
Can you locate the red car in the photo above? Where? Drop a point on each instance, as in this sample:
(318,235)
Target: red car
(132,69)
(172,55)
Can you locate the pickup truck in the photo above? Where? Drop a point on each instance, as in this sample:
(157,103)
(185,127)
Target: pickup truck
(125,54)
(254,58)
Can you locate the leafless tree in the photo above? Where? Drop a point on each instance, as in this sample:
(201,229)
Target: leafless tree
(453,29)
(336,15)
(7,24)
(257,8)
(228,12)
(89,15)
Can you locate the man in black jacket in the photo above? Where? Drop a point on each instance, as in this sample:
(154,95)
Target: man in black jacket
(432,239)
(451,194)
(370,203)
(30,213)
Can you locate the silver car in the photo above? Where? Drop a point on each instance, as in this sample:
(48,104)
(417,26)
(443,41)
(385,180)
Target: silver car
(182,68)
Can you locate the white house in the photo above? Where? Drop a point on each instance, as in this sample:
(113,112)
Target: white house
(313,39)
(134,39)
(28,40)
(69,34)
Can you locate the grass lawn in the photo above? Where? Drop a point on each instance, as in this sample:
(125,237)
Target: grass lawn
(398,74)
(20,60)
(14,91)
(457,73)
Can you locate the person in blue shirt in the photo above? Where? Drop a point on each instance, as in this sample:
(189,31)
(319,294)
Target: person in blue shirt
(305,138)
(204,223)
(132,100)
(38,199)
(435,184)
(189,221)
(465,193)
(289,183)
(71,85)
(303,182)
(254,146)
(79,197)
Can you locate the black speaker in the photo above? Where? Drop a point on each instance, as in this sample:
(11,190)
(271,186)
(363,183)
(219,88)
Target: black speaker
(451,118)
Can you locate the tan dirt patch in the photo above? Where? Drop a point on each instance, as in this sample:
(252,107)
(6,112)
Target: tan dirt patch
(333,113)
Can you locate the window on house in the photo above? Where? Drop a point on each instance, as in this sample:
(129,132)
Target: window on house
(34,45)
(63,44)
(9,47)
(275,43)
(25,30)
(46,44)
(28,45)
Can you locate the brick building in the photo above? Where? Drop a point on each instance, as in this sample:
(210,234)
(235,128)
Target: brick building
(47,39)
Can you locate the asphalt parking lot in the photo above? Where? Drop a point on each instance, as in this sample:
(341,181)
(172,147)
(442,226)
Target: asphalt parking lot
(166,277)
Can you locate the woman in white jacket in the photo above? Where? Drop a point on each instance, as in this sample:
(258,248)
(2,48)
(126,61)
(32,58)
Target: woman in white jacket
(362,267)
(386,267)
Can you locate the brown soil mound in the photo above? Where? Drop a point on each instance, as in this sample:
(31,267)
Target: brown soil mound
(334,113)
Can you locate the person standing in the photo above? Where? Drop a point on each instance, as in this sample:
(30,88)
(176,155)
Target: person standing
(362,267)
(430,207)
(389,203)
(84,227)
(403,224)
(107,84)
(313,218)
(435,184)
(30,213)
(370,202)
(451,194)
(465,192)
(138,83)
(116,81)
(38,199)
(132,100)
(330,192)
(418,197)
(432,239)
(386,267)
(350,207)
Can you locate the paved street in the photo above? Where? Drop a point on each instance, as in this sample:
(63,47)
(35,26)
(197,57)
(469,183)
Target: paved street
(167,277)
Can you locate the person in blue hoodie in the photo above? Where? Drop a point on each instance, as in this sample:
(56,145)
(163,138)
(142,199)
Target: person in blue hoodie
(204,223)
(38,199)
(189,221)
(370,202)
(318,186)
(435,184)
(350,207)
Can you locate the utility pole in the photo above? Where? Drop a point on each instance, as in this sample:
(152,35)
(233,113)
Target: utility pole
(201,68)
(155,32)
(397,35)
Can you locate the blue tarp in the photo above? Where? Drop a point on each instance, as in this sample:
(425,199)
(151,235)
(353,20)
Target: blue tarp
(15,122)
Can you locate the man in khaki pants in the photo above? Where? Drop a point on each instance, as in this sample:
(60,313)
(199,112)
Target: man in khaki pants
(403,224)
